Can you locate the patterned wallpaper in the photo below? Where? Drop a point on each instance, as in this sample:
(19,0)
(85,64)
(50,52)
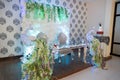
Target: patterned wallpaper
(78,10)
(10,43)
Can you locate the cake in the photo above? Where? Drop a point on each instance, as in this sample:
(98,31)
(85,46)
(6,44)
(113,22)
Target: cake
(100,30)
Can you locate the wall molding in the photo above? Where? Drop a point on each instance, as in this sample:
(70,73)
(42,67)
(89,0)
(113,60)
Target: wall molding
(11,58)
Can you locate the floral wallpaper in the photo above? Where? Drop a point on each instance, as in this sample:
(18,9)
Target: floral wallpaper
(10,43)
(10,20)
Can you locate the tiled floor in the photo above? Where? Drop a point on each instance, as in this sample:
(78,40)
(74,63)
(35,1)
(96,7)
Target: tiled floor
(113,72)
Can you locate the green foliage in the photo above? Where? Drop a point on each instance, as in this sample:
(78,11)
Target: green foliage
(49,10)
(95,45)
(40,11)
(98,53)
(38,66)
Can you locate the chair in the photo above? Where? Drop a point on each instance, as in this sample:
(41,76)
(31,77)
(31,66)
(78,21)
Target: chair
(63,50)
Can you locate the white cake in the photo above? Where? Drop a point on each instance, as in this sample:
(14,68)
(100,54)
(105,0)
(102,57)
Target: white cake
(100,30)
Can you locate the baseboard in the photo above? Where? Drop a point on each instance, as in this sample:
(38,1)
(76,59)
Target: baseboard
(11,58)
(115,54)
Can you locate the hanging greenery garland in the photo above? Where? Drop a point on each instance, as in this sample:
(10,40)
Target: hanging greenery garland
(48,10)
(42,12)
(36,11)
(28,9)
(66,13)
(54,14)
(62,13)
(58,14)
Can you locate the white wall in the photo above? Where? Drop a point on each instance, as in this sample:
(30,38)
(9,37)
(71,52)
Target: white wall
(101,11)
(96,13)
(109,16)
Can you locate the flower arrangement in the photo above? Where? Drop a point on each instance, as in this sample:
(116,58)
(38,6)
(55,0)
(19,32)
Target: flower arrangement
(97,57)
(95,49)
(38,67)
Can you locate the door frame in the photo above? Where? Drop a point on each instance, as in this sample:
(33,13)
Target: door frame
(113,32)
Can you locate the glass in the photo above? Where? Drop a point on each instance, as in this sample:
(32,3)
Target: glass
(117,30)
(118,9)
(116,49)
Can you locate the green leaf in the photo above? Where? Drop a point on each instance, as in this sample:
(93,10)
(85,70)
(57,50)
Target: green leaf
(38,66)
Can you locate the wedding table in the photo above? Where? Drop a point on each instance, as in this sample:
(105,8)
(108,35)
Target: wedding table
(69,50)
